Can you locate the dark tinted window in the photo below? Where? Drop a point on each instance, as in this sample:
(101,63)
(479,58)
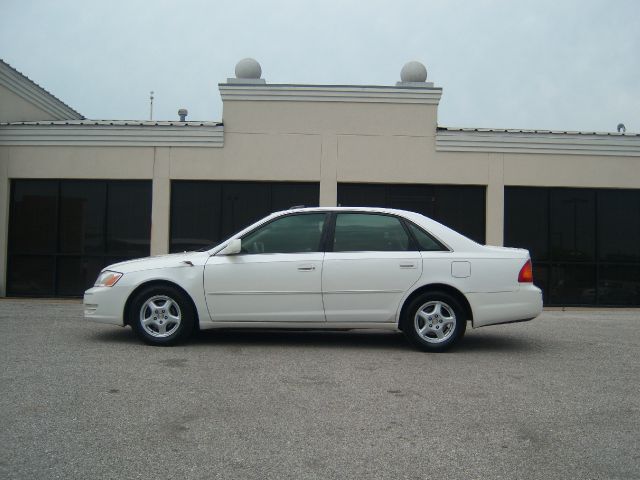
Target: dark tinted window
(34,216)
(196,211)
(205,212)
(619,285)
(526,220)
(356,232)
(287,195)
(573,284)
(128,218)
(573,225)
(75,274)
(425,241)
(461,207)
(290,234)
(82,216)
(31,275)
(62,232)
(584,243)
(619,225)
(243,204)
(541,279)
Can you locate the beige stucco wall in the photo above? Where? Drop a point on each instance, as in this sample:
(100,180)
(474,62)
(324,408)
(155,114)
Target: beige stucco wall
(572,171)
(256,156)
(326,142)
(80,162)
(16,109)
(347,118)
(405,159)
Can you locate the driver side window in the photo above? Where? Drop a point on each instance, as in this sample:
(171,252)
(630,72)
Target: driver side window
(291,234)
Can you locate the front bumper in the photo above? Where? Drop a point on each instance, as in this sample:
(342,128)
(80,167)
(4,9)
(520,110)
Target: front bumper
(105,305)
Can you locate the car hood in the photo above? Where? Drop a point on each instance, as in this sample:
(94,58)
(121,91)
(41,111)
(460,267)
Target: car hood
(160,261)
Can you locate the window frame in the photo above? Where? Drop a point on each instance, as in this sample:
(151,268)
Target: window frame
(328,232)
(414,245)
(443,246)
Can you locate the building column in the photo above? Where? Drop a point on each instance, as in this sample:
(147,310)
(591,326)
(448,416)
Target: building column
(161,201)
(4,218)
(495,200)
(329,171)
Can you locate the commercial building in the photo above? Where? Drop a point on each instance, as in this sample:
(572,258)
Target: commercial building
(78,194)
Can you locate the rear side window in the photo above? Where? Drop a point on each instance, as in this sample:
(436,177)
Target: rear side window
(425,241)
(362,232)
(290,234)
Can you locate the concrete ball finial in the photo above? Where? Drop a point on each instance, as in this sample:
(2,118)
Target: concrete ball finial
(248,68)
(413,72)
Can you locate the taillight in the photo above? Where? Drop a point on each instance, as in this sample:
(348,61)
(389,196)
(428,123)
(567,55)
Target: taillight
(526,273)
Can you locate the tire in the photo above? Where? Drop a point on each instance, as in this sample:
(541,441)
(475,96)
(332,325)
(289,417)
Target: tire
(162,315)
(447,316)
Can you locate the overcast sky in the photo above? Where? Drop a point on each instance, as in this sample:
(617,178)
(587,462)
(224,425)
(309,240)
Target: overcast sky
(560,64)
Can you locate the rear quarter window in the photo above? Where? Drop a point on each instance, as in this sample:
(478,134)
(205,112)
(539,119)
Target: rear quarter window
(426,242)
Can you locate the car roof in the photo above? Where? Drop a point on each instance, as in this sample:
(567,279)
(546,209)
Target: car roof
(448,236)
(451,238)
(344,209)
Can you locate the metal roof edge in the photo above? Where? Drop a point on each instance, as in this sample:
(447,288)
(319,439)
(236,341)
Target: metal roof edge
(92,133)
(534,131)
(110,123)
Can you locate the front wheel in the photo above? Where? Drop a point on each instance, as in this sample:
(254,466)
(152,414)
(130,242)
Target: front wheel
(161,315)
(434,321)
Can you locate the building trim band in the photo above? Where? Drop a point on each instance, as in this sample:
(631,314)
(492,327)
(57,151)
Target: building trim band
(331,93)
(537,142)
(113,134)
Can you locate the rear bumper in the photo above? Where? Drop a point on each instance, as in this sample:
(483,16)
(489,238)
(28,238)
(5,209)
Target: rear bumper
(104,305)
(505,307)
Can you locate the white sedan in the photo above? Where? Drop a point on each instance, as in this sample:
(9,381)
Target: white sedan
(330,268)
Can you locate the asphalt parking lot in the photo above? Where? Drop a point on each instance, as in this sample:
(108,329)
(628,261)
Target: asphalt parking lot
(557,397)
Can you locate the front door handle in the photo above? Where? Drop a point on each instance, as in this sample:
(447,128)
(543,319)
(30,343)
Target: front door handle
(406,265)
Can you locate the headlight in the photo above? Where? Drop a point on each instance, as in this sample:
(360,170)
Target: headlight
(107,279)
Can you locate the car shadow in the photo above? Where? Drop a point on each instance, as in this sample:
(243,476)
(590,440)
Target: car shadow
(354,339)
(486,342)
(299,338)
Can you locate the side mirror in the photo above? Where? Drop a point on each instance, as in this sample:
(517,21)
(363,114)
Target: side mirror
(232,248)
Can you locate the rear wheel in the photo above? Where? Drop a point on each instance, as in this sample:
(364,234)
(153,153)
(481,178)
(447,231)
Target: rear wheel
(434,321)
(161,315)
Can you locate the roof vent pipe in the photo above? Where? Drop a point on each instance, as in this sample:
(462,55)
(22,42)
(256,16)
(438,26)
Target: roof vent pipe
(182,113)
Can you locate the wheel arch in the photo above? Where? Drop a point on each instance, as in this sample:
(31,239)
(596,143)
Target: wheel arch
(159,283)
(436,287)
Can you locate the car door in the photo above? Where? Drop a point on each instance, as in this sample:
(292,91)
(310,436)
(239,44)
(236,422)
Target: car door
(370,263)
(275,278)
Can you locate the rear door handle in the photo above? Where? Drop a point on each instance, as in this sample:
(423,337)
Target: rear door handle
(408,265)
(306,268)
